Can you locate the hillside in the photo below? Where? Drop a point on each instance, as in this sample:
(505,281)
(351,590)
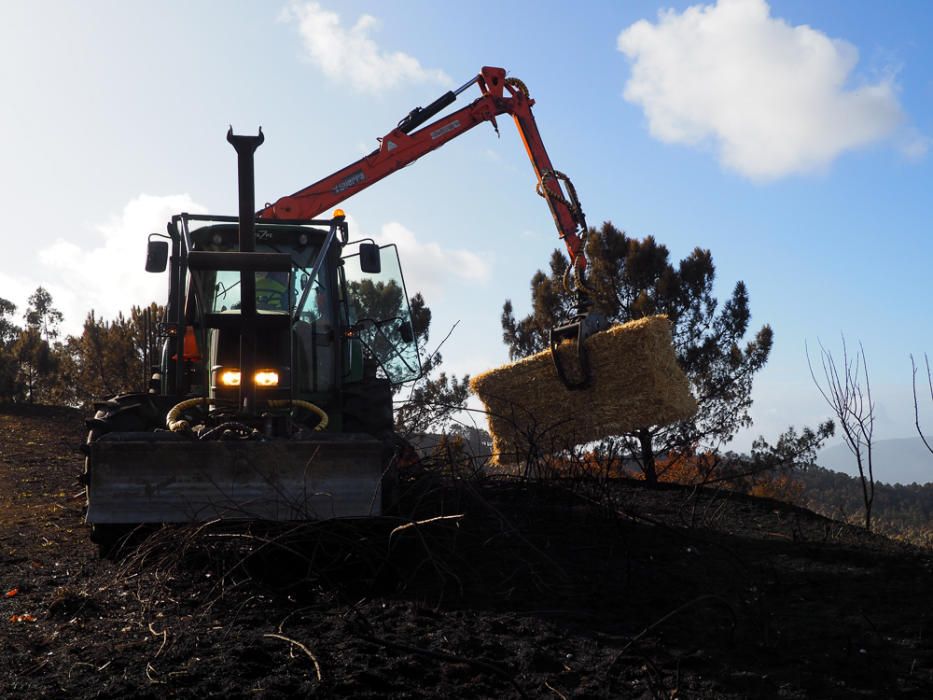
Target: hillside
(493,587)
(902,510)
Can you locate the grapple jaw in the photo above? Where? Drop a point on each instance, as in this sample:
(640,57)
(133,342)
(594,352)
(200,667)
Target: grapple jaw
(584,324)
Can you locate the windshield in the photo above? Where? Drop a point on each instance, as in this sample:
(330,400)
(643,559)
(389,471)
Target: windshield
(276,292)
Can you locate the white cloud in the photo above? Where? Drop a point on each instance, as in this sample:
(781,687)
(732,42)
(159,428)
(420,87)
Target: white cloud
(350,55)
(773,99)
(914,145)
(109,276)
(429,268)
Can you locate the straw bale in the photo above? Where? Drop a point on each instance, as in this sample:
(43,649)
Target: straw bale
(636,382)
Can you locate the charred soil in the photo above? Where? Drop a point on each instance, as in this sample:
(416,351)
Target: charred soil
(482,587)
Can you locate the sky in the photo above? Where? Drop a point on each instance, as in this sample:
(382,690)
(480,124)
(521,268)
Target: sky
(790,138)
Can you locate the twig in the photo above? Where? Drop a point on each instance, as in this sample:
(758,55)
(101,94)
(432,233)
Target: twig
(440,569)
(310,655)
(77,664)
(150,672)
(437,349)
(285,619)
(428,521)
(163,634)
(555,691)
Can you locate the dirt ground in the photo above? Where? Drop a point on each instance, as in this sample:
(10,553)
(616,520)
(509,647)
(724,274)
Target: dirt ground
(499,588)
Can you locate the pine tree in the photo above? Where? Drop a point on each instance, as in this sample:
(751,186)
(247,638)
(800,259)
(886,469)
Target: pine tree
(40,314)
(107,358)
(630,278)
(9,366)
(435,396)
(36,364)
(36,349)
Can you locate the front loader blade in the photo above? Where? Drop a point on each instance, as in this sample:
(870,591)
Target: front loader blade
(139,478)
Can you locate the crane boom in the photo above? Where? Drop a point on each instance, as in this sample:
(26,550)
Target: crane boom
(407,143)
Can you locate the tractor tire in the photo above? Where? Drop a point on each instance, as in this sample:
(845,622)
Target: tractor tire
(126,413)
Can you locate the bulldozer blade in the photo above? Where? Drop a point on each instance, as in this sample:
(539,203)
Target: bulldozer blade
(138,478)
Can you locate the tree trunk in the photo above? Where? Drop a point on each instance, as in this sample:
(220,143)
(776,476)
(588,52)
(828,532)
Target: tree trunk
(647,458)
(868,490)
(868,498)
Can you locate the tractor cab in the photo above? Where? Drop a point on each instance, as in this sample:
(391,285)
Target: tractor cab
(331,318)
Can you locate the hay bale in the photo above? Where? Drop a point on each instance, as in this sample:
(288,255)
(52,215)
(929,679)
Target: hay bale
(636,382)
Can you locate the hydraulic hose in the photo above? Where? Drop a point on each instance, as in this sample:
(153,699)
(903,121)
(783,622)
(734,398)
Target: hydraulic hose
(317,410)
(172,421)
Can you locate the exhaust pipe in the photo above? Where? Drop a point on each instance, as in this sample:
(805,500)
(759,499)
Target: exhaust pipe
(245,147)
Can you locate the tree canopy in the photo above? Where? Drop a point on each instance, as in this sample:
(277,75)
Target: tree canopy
(107,358)
(434,396)
(433,399)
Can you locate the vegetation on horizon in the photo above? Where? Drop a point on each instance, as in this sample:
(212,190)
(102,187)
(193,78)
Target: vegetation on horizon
(112,357)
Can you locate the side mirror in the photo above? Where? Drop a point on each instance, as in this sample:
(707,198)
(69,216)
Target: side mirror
(157,256)
(370,262)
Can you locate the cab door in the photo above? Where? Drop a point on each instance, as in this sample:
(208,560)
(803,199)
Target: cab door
(379,315)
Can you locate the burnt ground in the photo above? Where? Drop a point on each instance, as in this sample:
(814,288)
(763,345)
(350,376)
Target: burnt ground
(493,587)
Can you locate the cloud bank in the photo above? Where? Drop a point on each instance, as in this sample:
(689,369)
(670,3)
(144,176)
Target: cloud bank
(350,56)
(772,98)
(430,269)
(109,276)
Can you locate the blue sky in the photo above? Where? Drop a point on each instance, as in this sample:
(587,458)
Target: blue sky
(790,139)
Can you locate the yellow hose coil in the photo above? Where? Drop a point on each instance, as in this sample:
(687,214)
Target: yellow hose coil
(284,403)
(171,420)
(176,425)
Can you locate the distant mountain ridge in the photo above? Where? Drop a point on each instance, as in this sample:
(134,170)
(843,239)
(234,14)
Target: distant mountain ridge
(896,461)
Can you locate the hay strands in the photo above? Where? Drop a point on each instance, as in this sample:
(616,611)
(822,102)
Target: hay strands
(636,382)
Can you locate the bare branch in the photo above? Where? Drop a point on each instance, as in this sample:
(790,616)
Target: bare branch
(913,368)
(847,391)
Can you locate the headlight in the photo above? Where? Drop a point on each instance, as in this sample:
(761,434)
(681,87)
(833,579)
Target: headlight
(230,377)
(266,377)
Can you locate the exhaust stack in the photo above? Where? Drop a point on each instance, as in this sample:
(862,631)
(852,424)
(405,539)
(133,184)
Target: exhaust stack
(245,147)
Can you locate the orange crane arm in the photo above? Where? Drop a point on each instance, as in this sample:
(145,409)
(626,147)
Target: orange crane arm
(405,144)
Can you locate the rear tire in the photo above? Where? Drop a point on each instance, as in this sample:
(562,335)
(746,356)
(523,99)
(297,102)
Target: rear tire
(126,413)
